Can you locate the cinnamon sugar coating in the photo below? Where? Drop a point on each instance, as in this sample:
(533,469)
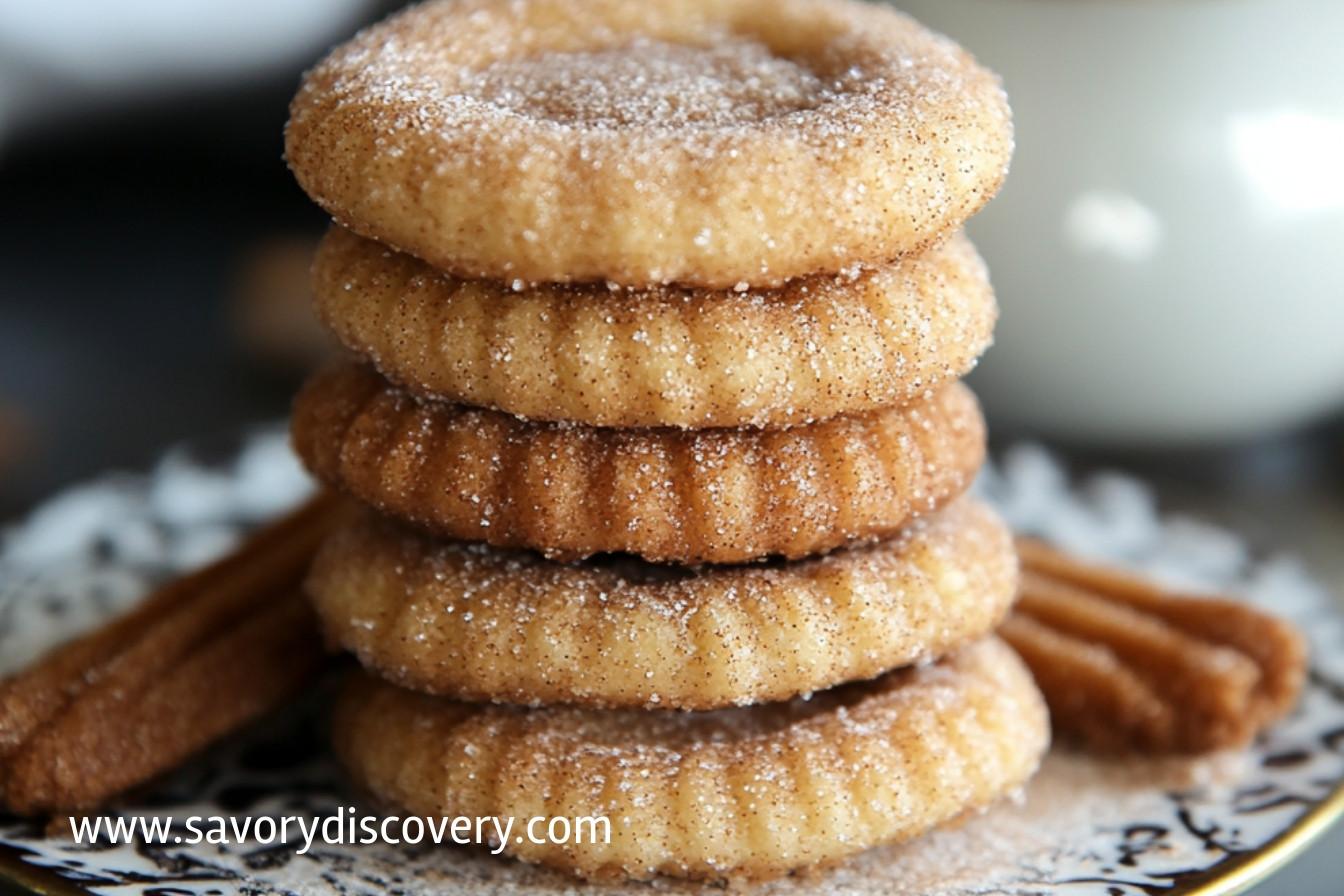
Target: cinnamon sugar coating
(707,142)
(817,347)
(475,622)
(745,792)
(668,495)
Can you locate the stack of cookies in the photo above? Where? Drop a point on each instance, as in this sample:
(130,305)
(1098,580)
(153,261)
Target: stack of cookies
(660,310)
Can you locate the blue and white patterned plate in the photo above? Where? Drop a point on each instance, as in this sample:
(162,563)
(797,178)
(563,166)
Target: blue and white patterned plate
(1082,826)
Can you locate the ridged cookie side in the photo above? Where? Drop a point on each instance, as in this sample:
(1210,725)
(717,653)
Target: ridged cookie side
(741,793)
(481,623)
(663,356)
(682,496)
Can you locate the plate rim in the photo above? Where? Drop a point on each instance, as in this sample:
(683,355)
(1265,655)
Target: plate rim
(1234,875)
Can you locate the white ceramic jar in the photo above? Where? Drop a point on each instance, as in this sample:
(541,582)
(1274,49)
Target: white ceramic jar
(1168,249)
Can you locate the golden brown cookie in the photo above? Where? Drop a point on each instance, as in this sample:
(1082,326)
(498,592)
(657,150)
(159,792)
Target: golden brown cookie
(744,792)
(811,349)
(695,141)
(476,622)
(671,495)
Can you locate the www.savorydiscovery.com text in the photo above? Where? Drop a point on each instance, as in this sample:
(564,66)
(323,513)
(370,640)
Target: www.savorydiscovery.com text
(341,828)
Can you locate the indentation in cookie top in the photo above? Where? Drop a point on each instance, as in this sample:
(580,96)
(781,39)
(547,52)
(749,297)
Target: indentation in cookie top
(710,143)
(653,83)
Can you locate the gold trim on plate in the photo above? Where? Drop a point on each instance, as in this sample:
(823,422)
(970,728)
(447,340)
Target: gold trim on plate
(1230,877)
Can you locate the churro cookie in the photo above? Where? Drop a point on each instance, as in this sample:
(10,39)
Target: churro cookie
(1129,666)
(743,792)
(710,142)
(816,347)
(481,623)
(669,495)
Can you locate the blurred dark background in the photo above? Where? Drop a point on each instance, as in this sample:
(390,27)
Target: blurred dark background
(152,261)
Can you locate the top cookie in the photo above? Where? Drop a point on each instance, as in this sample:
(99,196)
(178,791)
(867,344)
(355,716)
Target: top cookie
(704,142)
